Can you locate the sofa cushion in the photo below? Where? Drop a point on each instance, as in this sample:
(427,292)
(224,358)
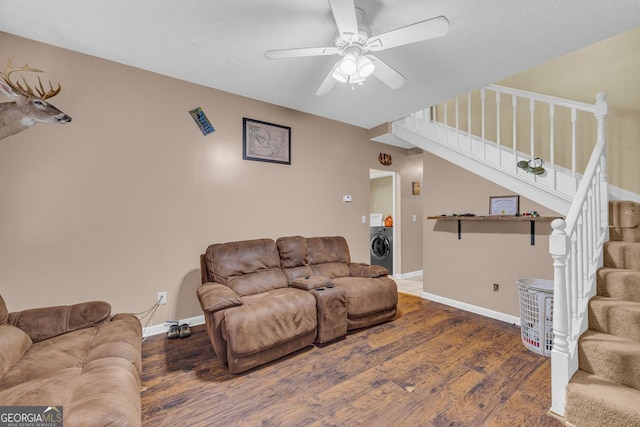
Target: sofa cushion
(328,250)
(366,295)
(4,313)
(46,322)
(331,270)
(248,267)
(119,338)
(293,251)
(216,297)
(101,393)
(329,256)
(45,358)
(294,257)
(366,270)
(268,319)
(14,343)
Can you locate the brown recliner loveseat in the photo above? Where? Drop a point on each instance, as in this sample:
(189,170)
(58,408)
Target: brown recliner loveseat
(78,357)
(264,300)
(251,313)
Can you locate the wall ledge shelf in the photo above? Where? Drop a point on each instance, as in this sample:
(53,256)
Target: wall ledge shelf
(531,219)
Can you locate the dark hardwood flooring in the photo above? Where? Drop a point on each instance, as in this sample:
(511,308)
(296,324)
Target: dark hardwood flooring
(433,365)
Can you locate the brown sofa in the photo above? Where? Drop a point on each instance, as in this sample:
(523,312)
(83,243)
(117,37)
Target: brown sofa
(264,300)
(78,357)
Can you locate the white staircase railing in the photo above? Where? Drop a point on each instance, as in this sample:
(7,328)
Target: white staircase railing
(496,127)
(576,248)
(479,140)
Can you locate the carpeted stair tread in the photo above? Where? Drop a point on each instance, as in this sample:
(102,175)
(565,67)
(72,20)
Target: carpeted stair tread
(622,255)
(619,283)
(595,401)
(614,358)
(616,317)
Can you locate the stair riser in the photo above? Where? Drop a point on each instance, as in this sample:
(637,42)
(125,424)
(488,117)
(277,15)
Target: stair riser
(624,213)
(631,235)
(615,317)
(619,284)
(622,255)
(616,361)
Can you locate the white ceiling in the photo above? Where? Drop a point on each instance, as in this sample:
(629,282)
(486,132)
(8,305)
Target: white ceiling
(221,44)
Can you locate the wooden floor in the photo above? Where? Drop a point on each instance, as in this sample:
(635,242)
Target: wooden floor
(432,366)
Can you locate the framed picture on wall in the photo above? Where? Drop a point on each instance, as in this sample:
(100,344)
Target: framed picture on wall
(266,142)
(504,205)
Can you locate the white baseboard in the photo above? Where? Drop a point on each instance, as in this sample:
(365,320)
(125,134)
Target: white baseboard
(408,275)
(163,328)
(473,308)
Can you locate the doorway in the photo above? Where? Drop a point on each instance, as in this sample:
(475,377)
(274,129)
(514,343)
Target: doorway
(382,204)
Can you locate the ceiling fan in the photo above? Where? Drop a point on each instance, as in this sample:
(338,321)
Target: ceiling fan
(354,43)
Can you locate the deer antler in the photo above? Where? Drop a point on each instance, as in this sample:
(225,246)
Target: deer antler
(28,90)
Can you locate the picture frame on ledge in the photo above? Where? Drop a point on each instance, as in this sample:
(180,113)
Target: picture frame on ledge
(504,205)
(266,142)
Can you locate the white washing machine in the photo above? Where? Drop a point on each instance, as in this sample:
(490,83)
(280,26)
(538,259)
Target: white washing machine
(381,247)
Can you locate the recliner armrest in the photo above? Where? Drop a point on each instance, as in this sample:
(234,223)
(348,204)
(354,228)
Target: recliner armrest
(311,282)
(216,296)
(47,322)
(366,270)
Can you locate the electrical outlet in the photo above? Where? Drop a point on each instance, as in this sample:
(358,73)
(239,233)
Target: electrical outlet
(162,298)
(496,287)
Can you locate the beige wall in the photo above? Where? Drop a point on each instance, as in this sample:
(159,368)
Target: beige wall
(411,207)
(489,252)
(119,204)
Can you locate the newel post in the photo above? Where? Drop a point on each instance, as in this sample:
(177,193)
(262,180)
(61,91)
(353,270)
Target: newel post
(560,355)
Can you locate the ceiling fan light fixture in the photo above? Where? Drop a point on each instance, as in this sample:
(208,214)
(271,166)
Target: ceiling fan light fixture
(365,66)
(356,79)
(349,64)
(338,74)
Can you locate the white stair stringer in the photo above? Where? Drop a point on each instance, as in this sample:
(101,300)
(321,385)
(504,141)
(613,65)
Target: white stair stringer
(554,189)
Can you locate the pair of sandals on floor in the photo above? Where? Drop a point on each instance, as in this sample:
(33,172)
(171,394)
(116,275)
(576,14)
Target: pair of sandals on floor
(178,331)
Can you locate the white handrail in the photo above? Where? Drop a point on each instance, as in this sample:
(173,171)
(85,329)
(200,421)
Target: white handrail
(576,248)
(583,106)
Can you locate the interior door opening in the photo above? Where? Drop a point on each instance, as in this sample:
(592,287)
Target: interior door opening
(381,207)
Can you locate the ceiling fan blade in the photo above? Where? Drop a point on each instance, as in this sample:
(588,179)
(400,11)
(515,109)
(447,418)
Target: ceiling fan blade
(420,31)
(300,52)
(328,83)
(386,74)
(344,13)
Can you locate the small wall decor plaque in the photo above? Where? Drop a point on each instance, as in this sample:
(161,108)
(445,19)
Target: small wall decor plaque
(201,120)
(416,188)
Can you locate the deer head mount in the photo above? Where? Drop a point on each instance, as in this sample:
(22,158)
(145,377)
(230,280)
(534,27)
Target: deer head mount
(29,105)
